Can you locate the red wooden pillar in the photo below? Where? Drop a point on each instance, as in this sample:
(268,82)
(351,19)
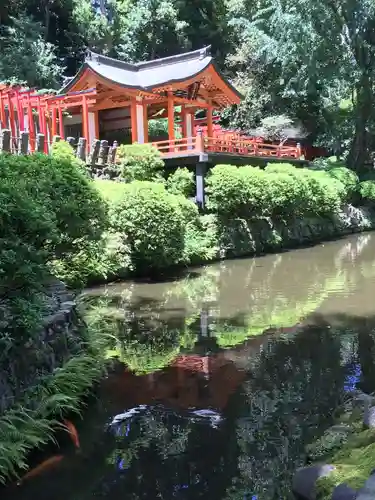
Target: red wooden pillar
(209,122)
(3,120)
(47,128)
(145,122)
(43,123)
(96,125)
(171,135)
(31,125)
(12,123)
(183,122)
(85,122)
(21,121)
(54,122)
(61,123)
(133,119)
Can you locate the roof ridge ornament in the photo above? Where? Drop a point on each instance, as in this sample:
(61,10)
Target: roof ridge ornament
(91,56)
(205,52)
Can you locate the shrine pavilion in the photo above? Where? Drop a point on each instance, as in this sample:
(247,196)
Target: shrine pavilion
(128,95)
(113,100)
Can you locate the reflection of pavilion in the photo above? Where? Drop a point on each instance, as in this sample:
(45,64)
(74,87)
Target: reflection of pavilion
(192,380)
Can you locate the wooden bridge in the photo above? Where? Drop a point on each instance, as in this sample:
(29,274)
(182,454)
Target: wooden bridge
(225,144)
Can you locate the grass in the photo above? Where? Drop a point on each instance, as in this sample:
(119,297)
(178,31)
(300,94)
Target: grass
(354,461)
(110,190)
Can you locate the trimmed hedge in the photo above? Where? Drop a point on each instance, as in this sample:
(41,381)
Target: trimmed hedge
(139,162)
(280,190)
(151,222)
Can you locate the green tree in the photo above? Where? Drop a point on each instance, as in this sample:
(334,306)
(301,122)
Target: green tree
(308,57)
(26,56)
(152,29)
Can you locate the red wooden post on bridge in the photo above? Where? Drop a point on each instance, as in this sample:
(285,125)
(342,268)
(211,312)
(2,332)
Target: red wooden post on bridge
(61,123)
(3,120)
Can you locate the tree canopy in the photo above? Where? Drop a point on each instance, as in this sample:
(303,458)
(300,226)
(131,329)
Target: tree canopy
(311,61)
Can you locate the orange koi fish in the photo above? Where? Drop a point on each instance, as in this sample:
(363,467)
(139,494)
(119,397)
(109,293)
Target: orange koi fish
(73,433)
(47,464)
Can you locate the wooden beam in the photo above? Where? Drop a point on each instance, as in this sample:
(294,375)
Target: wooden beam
(133,118)
(171,135)
(107,104)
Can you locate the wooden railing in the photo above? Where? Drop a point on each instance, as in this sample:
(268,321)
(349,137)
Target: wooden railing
(226,145)
(191,145)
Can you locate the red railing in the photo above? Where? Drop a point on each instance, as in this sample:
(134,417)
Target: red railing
(191,145)
(225,144)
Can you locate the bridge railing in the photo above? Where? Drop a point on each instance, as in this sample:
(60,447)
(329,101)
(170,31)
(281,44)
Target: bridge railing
(230,145)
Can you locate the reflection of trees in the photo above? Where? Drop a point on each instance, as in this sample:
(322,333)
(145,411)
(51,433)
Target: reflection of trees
(290,396)
(291,390)
(241,299)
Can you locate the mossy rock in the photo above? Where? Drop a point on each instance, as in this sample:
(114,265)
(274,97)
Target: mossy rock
(354,462)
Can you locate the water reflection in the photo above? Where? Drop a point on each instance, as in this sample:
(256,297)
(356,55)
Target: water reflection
(221,306)
(205,408)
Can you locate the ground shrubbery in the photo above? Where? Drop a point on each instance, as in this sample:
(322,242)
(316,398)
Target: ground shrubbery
(337,169)
(159,227)
(181,182)
(280,190)
(366,191)
(49,212)
(139,162)
(152,224)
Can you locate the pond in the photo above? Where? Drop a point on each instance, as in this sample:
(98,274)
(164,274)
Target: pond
(225,376)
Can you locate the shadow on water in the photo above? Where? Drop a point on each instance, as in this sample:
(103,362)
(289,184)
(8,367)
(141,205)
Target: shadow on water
(190,345)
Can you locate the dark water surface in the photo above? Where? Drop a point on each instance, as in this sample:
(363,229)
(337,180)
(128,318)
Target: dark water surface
(190,345)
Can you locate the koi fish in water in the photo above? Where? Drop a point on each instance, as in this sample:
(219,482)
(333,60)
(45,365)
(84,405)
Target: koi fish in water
(73,433)
(39,469)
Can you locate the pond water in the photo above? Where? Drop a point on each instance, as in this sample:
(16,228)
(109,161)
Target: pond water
(226,375)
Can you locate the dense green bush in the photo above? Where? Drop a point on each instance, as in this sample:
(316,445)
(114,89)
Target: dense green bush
(181,182)
(151,223)
(140,162)
(366,190)
(280,190)
(66,199)
(339,171)
(49,211)
(62,150)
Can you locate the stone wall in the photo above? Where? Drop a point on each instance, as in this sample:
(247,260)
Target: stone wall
(241,237)
(60,336)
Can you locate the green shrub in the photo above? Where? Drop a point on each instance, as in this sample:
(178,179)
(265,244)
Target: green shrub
(201,240)
(151,223)
(233,190)
(339,171)
(181,182)
(48,211)
(65,197)
(140,162)
(367,192)
(62,150)
(280,190)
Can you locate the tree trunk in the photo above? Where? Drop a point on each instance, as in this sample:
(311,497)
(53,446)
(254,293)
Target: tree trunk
(359,149)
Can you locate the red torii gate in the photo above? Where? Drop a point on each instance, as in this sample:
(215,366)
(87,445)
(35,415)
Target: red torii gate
(17,103)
